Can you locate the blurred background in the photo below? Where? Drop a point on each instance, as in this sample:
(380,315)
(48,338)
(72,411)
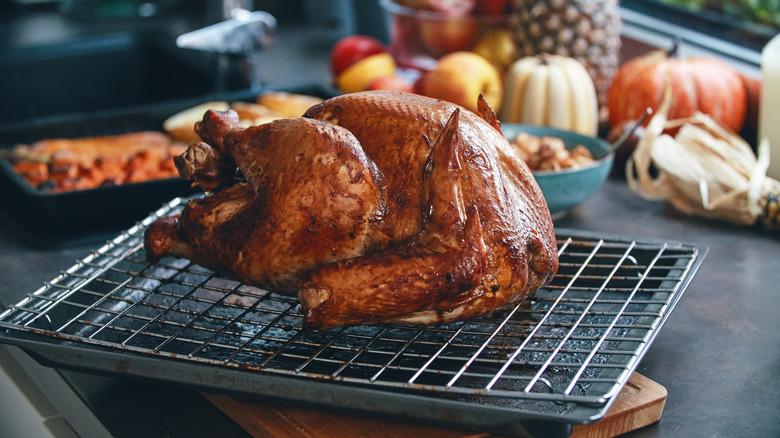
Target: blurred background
(78,68)
(64,56)
(60,55)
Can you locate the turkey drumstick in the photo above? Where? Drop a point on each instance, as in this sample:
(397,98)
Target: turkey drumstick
(310,197)
(375,207)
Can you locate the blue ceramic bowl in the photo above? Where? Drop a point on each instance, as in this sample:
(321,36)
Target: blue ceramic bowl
(567,188)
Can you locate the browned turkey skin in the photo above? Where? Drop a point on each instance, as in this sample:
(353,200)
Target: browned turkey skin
(374,207)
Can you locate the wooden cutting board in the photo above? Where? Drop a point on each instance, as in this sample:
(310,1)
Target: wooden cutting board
(639,404)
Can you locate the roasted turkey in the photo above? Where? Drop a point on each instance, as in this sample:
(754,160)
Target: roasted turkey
(373,207)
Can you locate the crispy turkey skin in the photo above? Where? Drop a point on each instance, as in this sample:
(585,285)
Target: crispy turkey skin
(373,207)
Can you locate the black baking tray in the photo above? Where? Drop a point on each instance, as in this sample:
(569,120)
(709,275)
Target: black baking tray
(50,220)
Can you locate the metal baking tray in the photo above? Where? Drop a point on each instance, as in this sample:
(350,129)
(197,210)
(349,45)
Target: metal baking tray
(66,218)
(558,359)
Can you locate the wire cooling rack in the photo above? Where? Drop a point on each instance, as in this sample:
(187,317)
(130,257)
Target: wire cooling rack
(561,356)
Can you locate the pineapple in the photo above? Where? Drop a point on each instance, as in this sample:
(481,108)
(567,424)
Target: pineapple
(586,30)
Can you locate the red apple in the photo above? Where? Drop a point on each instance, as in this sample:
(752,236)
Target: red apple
(448,35)
(391,83)
(492,7)
(352,49)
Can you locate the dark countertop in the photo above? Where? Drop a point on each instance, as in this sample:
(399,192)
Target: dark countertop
(718,354)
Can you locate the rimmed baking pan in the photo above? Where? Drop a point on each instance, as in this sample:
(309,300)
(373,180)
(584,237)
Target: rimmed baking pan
(46,219)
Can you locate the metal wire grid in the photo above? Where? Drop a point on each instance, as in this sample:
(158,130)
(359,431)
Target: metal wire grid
(575,341)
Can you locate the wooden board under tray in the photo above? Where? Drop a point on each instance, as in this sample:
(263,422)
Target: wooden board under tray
(639,404)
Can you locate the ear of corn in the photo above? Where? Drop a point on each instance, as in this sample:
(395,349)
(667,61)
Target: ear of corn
(704,170)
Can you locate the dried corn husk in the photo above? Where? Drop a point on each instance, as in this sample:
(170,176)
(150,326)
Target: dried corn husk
(704,170)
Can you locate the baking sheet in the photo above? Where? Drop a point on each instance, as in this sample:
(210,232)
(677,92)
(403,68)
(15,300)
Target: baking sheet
(557,359)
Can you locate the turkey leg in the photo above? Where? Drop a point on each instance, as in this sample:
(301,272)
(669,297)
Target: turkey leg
(272,228)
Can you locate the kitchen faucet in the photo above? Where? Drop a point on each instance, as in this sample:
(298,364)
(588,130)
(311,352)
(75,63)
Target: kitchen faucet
(237,40)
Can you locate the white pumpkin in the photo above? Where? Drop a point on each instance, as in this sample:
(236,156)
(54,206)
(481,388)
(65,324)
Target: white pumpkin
(550,90)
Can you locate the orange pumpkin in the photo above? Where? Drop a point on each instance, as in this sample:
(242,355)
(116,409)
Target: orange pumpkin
(703,84)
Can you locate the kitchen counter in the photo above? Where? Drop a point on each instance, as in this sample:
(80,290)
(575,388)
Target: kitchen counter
(718,355)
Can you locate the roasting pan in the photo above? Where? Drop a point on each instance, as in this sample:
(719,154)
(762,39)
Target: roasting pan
(556,360)
(64,219)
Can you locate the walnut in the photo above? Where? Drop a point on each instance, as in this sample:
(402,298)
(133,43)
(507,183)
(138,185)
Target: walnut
(550,153)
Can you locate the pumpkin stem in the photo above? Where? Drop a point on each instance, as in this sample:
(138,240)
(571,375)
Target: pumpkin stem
(674,52)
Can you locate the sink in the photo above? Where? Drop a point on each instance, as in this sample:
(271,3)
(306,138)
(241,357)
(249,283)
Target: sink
(118,70)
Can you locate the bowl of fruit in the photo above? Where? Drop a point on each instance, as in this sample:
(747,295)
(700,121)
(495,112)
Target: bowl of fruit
(422,31)
(569,167)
